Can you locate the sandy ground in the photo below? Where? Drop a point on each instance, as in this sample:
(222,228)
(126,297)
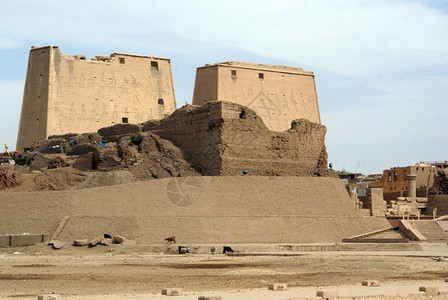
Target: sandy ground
(119,271)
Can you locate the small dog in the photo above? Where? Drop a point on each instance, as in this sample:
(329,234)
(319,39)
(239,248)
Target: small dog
(171,239)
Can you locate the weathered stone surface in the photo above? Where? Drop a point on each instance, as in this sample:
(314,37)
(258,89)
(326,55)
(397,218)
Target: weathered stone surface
(119,239)
(57,244)
(106,241)
(83,242)
(80,108)
(279,94)
(96,241)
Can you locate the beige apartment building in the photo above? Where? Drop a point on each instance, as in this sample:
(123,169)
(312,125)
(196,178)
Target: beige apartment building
(279,94)
(70,94)
(395,180)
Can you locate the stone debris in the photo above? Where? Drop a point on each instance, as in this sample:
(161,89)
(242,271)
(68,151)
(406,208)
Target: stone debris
(370,283)
(56,244)
(107,239)
(172,292)
(83,242)
(118,239)
(277,286)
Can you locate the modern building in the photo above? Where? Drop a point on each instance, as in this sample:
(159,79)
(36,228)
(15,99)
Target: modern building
(395,180)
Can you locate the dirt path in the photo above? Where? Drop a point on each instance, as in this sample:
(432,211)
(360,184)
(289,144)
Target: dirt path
(111,271)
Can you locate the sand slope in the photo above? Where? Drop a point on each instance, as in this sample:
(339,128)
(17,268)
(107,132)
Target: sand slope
(239,209)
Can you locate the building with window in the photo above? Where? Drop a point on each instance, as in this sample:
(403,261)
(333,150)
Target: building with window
(278,94)
(70,94)
(395,181)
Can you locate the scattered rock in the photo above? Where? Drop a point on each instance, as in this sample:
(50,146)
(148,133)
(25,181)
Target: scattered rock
(57,244)
(106,241)
(84,242)
(96,241)
(119,239)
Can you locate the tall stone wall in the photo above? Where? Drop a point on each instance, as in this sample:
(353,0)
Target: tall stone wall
(65,93)
(224,138)
(278,94)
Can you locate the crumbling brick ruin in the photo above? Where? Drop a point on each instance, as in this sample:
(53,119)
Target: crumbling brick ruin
(224,138)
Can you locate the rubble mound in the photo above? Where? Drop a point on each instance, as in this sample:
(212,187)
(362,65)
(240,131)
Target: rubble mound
(57,162)
(58,179)
(148,156)
(440,186)
(9,177)
(215,139)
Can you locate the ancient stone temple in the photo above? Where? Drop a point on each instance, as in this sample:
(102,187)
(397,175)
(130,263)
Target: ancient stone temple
(65,93)
(278,94)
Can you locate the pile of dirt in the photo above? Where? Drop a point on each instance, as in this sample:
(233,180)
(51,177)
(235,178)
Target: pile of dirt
(57,162)
(220,139)
(148,156)
(9,177)
(440,186)
(58,179)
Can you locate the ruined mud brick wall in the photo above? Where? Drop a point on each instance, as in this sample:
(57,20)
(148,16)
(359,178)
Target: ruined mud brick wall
(278,94)
(224,138)
(65,93)
(223,209)
(437,201)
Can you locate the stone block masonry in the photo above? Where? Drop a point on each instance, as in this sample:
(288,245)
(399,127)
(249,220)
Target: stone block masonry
(65,93)
(19,240)
(279,94)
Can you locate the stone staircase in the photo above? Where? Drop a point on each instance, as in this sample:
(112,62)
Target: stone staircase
(432,231)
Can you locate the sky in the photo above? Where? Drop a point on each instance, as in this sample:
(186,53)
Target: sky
(381,67)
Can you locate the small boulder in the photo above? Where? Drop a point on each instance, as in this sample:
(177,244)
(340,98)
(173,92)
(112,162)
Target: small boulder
(57,244)
(119,239)
(106,241)
(81,242)
(95,241)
